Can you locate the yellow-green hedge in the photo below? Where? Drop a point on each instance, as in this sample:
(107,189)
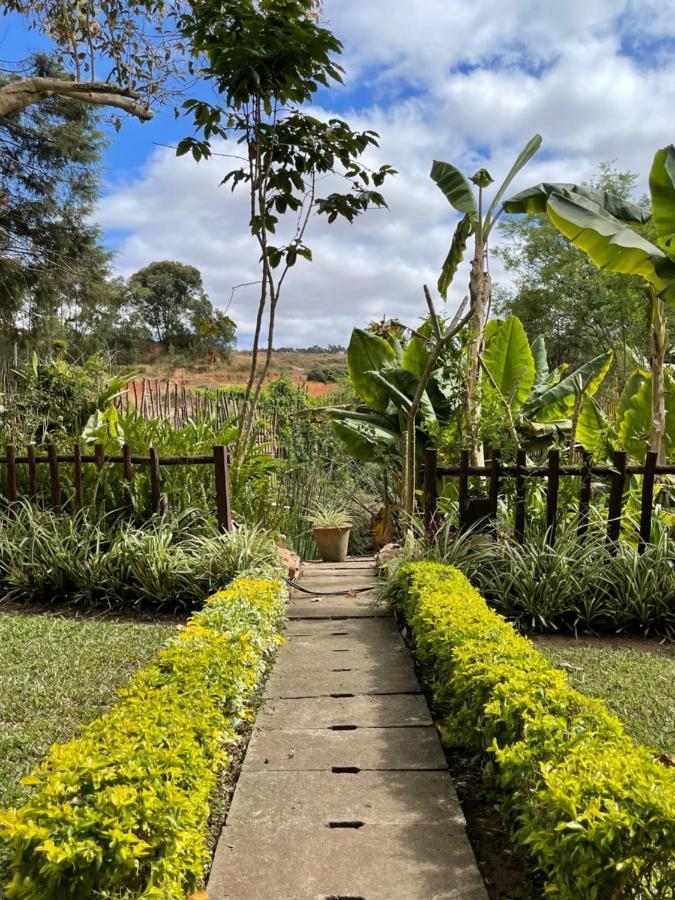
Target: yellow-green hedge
(596,811)
(123,809)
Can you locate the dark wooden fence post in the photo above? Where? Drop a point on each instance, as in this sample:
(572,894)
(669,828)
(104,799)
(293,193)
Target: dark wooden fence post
(77,475)
(463,489)
(647,499)
(54,481)
(552,495)
(127,474)
(155,480)
(585,494)
(521,463)
(494,484)
(32,472)
(99,455)
(223,509)
(430,490)
(10,454)
(616,499)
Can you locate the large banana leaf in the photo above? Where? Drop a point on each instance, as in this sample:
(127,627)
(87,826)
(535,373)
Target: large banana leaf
(609,243)
(510,362)
(455,188)
(594,430)
(558,402)
(401,386)
(523,158)
(634,415)
(364,441)
(662,189)
(455,255)
(541,370)
(534,200)
(416,354)
(366,353)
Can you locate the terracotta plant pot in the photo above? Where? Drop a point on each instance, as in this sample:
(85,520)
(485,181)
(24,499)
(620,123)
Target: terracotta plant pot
(332,542)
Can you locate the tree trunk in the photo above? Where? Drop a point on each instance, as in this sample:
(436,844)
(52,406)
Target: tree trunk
(479,290)
(658,358)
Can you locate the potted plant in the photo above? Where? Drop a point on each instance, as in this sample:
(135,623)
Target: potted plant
(331,526)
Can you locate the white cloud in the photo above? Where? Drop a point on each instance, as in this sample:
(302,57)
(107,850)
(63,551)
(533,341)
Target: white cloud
(437,79)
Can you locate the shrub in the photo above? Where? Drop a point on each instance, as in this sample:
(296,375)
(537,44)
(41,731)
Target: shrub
(122,810)
(95,561)
(595,810)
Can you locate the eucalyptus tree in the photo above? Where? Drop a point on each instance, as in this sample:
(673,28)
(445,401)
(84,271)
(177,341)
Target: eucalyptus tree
(267,59)
(476,223)
(599,223)
(121,54)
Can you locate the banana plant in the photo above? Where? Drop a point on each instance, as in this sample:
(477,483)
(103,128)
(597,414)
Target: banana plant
(630,428)
(599,223)
(540,405)
(479,224)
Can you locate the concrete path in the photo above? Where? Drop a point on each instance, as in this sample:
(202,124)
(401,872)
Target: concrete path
(344,793)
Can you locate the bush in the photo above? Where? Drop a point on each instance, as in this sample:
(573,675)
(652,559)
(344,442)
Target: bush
(122,810)
(596,811)
(94,561)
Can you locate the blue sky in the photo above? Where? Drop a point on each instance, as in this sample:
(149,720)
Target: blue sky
(469,83)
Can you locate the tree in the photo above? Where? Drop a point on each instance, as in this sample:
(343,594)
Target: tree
(598,223)
(128,40)
(50,253)
(562,295)
(479,224)
(169,296)
(217,333)
(267,59)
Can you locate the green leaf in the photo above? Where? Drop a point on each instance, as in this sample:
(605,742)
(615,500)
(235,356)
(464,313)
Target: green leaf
(609,243)
(401,386)
(510,362)
(662,189)
(416,354)
(534,200)
(541,371)
(634,414)
(594,430)
(455,188)
(365,441)
(367,353)
(523,158)
(558,401)
(455,255)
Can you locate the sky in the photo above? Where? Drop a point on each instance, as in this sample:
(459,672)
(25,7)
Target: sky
(469,83)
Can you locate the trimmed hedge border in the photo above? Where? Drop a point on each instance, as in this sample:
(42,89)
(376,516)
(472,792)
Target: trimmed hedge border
(123,809)
(596,811)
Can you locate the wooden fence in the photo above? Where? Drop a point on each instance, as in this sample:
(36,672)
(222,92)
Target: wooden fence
(472,511)
(159,503)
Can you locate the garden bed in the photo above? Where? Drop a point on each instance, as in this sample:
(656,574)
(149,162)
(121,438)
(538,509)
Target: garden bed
(56,675)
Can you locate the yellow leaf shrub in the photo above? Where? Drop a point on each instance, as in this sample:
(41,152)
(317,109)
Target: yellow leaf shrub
(596,812)
(122,810)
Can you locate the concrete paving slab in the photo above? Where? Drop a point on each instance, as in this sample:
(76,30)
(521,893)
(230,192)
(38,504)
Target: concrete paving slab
(364,748)
(338,641)
(383,711)
(319,682)
(299,657)
(331,800)
(304,607)
(425,862)
(310,628)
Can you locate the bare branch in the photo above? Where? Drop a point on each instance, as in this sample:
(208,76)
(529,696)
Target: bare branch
(18,95)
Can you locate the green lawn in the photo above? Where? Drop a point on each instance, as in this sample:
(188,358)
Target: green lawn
(57,674)
(637,685)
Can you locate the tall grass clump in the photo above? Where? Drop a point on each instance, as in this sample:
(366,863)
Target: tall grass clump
(98,561)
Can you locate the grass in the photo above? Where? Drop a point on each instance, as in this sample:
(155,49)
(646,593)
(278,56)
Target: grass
(636,683)
(57,674)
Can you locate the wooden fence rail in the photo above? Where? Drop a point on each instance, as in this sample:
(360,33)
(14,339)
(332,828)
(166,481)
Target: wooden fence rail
(472,511)
(159,503)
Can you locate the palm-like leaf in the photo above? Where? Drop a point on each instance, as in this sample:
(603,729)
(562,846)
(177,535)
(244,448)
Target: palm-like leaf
(558,402)
(455,188)
(368,352)
(662,189)
(534,200)
(455,255)
(541,370)
(524,157)
(510,362)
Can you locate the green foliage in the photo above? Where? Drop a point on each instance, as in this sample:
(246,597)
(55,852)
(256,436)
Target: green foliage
(596,812)
(87,561)
(104,818)
(169,295)
(510,361)
(328,515)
